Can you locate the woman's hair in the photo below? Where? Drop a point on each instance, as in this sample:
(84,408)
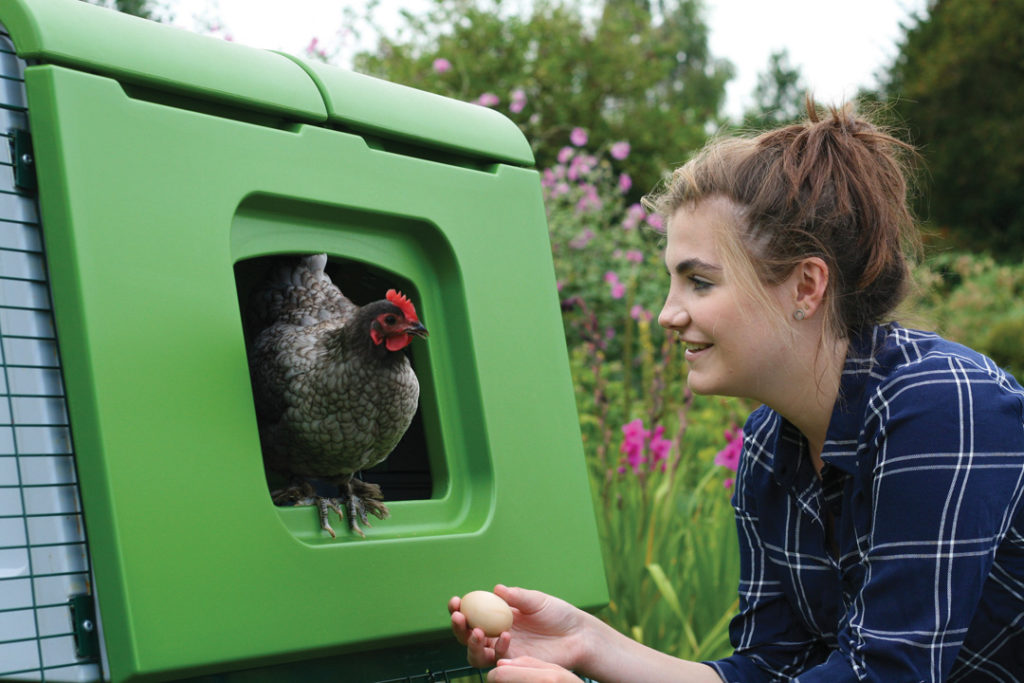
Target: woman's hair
(832,187)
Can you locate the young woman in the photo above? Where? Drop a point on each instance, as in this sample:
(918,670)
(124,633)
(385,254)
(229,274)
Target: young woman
(880,495)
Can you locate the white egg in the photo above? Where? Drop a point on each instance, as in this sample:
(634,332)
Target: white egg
(486,611)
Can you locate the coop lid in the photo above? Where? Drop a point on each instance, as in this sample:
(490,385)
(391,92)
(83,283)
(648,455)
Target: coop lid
(380,107)
(133,50)
(165,58)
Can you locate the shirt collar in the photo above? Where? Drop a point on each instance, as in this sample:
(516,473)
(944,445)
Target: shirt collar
(844,427)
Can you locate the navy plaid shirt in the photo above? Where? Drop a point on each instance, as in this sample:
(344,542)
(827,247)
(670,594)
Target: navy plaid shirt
(905,560)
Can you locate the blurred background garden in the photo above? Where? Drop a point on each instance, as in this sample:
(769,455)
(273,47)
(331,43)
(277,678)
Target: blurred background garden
(613,94)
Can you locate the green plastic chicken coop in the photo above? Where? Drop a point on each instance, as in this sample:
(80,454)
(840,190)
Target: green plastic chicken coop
(147,177)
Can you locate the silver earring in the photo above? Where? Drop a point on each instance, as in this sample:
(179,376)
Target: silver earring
(798,314)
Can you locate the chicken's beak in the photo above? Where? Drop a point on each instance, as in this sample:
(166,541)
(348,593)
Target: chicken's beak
(417,329)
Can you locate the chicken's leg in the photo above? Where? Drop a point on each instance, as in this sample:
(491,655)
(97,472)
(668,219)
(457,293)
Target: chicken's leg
(358,497)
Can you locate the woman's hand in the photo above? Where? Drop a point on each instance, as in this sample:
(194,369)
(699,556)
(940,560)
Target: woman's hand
(529,670)
(544,628)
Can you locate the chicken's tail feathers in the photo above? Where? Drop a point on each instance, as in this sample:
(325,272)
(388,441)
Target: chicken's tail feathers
(300,291)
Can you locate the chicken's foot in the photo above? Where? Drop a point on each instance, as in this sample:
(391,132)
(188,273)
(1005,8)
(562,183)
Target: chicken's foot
(359,499)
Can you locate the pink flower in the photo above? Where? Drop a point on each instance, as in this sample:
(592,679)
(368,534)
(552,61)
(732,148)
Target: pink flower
(313,49)
(620,150)
(638,312)
(518,101)
(618,289)
(488,99)
(442,65)
(583,239)
(634,214)
(660,446)
(634,443)
(656,221)
(730,455)
(635,256)
(625,182)
(565,154)
(637,441)
(589,201)
(578,137)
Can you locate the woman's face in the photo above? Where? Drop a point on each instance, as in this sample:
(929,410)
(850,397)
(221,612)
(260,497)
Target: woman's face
(734,347)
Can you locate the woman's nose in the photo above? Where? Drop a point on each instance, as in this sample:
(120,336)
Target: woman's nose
(673,316)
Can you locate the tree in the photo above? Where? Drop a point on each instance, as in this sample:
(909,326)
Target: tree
(625,73)
(957,85)
(140,8)
(778,95)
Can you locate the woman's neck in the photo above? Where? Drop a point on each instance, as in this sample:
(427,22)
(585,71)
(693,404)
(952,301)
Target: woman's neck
(809,399)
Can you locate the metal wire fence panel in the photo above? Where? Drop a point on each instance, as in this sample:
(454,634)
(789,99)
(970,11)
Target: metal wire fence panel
(44,560)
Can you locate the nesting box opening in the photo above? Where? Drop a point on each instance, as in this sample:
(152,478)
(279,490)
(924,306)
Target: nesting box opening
(406,473)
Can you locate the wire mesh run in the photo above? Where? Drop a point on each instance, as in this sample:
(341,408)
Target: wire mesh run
(43,554)
(460,675)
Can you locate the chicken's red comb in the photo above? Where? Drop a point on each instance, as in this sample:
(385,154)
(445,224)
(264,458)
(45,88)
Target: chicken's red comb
(400,300)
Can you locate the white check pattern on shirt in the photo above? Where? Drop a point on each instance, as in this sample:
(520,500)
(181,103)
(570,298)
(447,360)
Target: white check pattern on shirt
(924,477)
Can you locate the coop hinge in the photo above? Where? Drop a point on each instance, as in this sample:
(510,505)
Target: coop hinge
(24,161)
(83,621)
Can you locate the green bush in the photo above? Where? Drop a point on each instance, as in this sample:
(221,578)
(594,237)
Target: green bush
(972,299)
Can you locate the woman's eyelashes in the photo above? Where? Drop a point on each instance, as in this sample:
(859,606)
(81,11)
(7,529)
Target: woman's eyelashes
(699,283)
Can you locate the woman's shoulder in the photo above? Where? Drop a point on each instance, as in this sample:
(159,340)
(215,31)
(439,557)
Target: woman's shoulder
(916,371)
(903,356)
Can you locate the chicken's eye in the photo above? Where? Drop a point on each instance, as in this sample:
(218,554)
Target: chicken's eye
(390,320)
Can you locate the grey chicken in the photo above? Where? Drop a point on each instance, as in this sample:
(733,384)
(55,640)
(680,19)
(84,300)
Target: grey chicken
(333,389)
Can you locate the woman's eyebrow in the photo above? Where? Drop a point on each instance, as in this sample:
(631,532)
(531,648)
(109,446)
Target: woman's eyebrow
(691,264)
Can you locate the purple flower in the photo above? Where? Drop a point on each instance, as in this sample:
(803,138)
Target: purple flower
(578,136)
(620,150)
(518,101)
(730,455)
(488,99)
(625,182)
(442,65)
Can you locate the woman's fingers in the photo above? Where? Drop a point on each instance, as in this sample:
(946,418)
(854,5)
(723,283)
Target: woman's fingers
(529,670)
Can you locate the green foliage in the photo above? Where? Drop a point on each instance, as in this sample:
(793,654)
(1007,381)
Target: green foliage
(147,9)
(778,95)
(971,299)
(957,85)
(620,73)
(664,515)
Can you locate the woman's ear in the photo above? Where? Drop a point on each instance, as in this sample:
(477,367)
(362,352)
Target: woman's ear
(810,282)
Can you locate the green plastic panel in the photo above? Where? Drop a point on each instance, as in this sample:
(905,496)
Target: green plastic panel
(375,106)
(169,59)
(147,208)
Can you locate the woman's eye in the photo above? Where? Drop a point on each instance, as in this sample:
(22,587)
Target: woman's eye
(700,284)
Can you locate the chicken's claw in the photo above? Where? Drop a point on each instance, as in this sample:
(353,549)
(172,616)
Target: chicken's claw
(359,498)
